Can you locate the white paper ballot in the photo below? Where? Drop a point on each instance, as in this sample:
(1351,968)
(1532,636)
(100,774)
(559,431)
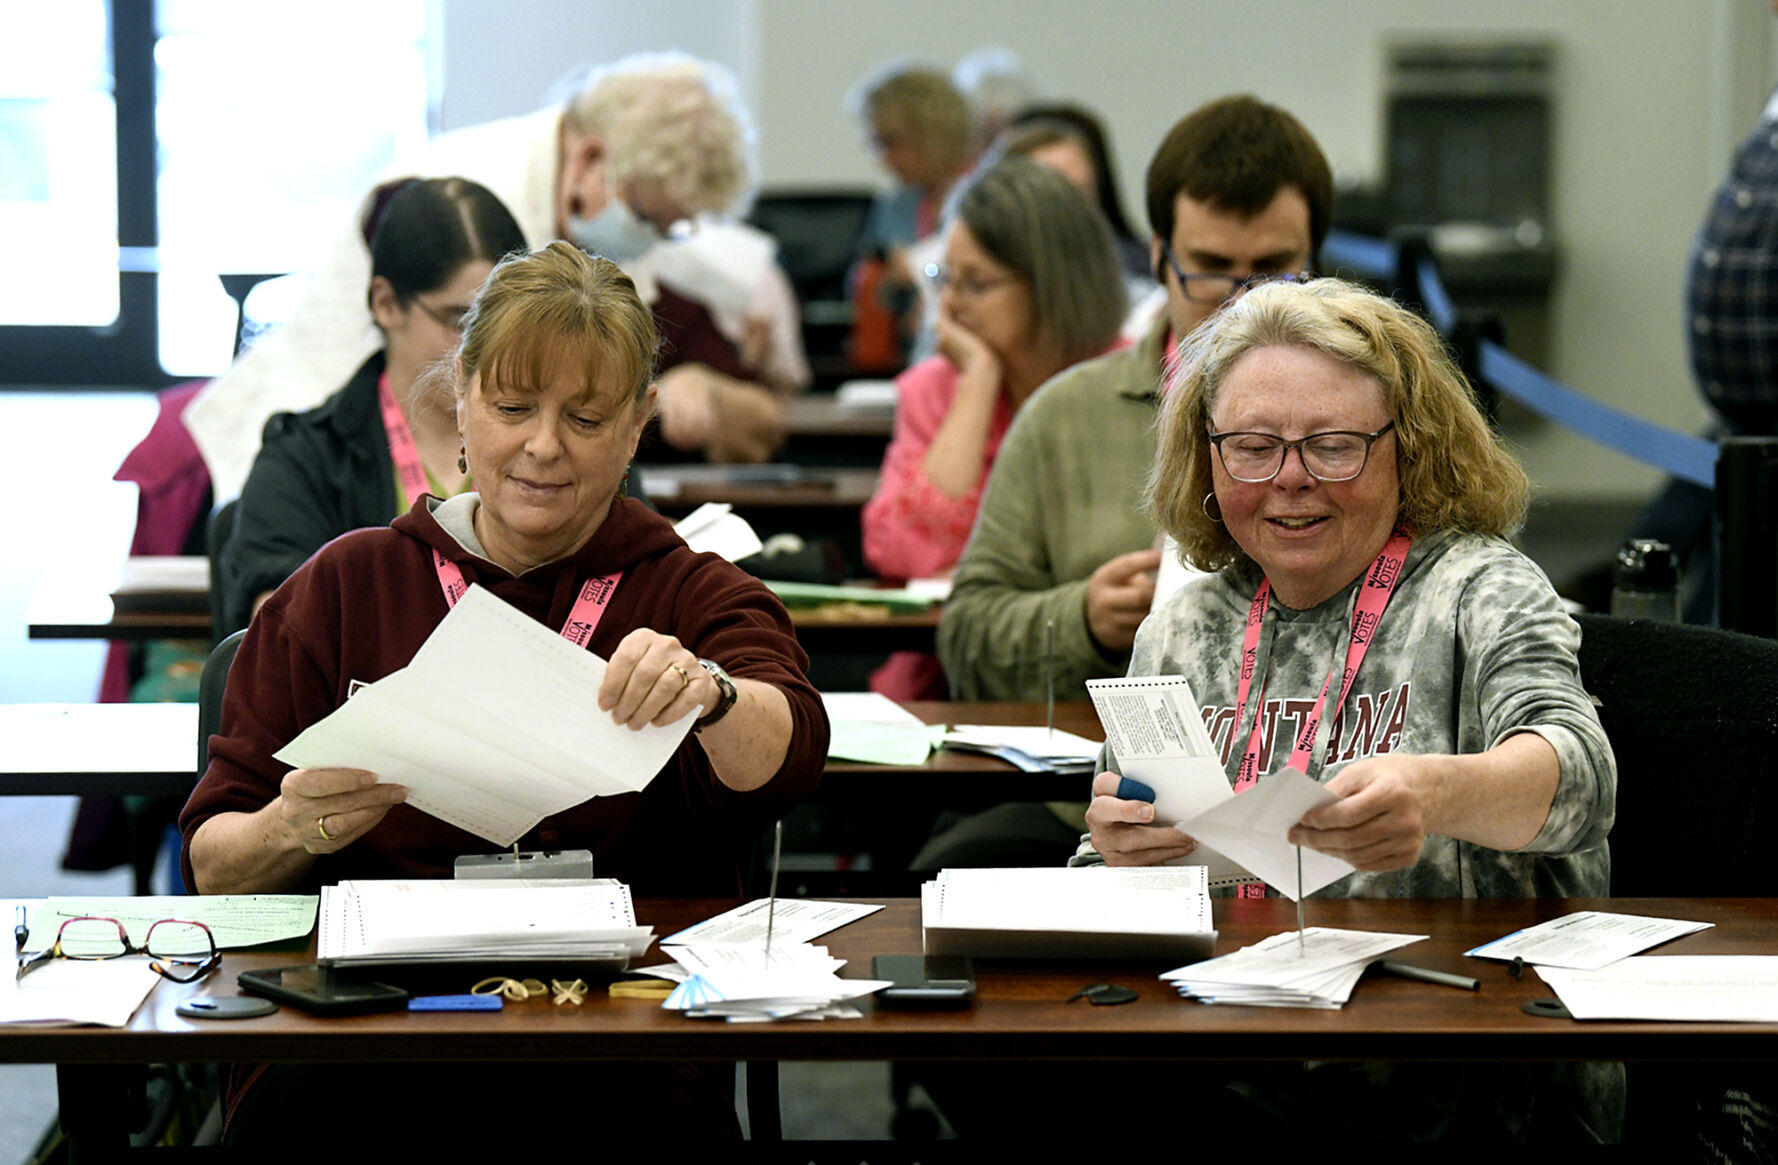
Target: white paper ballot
(796,920)
(1157,735)
(495,757)
(1317,968)
(1699,988)
(1252,829)
(715,528)
(1586,939)
(1156,732)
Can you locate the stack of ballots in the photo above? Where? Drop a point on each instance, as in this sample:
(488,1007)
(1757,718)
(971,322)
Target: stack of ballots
(740,983)
(729,967)
(1317,967)
(587,922)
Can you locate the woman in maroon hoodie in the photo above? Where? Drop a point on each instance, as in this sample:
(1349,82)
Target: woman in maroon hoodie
(553,391)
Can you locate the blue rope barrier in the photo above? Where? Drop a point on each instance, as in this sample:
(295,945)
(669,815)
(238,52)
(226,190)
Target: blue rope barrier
(1361,255)
(1435,299)
(1691,459)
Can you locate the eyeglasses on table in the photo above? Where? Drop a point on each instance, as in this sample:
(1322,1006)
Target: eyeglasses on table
(180,950)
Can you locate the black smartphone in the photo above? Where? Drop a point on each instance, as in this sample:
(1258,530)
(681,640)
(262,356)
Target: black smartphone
(924,980)
(322,990)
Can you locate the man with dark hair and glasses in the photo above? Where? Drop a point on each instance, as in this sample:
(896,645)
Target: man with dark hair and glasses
(1238,194)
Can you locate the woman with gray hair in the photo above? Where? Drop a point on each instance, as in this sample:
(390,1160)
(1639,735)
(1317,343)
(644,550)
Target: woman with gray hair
(1030,286)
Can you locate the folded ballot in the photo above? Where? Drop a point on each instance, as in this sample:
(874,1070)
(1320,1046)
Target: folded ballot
(1055,912)
(1155,729)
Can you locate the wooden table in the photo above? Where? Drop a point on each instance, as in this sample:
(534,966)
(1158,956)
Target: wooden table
(864,629)
(680,489)
(69,607)
(1021,1012)
(98,749)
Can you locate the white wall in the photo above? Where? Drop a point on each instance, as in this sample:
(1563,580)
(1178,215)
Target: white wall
(1651,96)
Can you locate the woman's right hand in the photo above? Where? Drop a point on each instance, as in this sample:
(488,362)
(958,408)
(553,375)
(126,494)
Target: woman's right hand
(1121,831)
(975,362)
(322,811)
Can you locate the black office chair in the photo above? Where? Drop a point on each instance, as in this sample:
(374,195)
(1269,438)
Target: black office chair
(817,233)
(211,686)
(1692,715)
(220,532)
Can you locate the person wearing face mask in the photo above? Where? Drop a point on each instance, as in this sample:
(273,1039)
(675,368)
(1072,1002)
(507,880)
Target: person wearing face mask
(640,146)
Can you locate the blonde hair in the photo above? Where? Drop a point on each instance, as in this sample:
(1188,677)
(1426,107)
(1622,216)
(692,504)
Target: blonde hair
(671,119)
(1455,474)
(922,103)
(540,311)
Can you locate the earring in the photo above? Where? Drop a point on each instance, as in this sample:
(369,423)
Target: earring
(1217,516)
(623,487)
(462,458)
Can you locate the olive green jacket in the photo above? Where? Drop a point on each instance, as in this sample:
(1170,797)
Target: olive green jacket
(1065,496)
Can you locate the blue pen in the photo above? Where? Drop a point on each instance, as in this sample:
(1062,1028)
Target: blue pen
(1128,790)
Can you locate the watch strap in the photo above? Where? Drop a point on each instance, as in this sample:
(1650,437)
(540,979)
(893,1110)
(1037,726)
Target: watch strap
(726,686)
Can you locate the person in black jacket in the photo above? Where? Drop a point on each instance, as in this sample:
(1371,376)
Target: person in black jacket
(363,456)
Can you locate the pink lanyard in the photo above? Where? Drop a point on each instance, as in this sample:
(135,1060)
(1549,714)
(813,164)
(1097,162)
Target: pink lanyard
(402,450)
(583,617)
(1373,597)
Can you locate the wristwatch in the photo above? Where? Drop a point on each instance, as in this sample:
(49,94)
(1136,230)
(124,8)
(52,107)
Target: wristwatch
(726,686)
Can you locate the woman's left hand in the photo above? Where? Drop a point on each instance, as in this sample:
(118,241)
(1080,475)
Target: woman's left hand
(1380,819)
(654,679)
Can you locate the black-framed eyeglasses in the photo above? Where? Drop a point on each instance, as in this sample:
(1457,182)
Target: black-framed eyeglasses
(969,286)
(1336,455)
(182,951)
(1211,287)
(450,317)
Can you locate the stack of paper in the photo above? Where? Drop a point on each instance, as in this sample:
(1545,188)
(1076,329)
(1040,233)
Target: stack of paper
(725,969)
(1277,972)
(740,984)
(1096,912)
(870,727)
(1030,749)
(370,923)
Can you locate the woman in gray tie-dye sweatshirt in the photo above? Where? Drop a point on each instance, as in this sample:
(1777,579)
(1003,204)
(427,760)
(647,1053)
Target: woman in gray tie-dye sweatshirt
(1322,456)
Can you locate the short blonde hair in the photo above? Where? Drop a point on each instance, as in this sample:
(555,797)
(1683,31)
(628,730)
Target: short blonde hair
(542,311)
(921,102)
(671,119)
(1455,473)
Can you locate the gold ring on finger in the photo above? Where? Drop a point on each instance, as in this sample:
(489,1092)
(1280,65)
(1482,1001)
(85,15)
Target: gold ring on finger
(684,677)
(321,828)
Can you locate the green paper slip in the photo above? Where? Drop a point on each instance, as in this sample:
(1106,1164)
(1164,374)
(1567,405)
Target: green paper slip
(882,744)
(796,594)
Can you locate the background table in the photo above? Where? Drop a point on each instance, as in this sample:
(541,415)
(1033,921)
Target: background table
(98,749)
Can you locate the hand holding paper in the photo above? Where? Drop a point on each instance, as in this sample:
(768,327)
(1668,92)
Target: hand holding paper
(506,752)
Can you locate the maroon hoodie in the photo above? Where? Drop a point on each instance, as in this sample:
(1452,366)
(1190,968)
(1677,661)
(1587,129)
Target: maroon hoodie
(365,603)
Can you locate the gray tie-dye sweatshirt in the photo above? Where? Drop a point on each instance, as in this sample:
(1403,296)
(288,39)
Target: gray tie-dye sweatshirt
(1474,647)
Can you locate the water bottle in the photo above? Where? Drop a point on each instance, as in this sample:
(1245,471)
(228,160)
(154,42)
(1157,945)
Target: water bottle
(1645,581)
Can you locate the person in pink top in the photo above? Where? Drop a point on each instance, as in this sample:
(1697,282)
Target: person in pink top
(1030,285)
